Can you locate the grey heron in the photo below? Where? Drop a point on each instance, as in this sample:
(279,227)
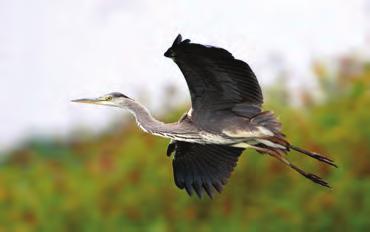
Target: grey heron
(225,118)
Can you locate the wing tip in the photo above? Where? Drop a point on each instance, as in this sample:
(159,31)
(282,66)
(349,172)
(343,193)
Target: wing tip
(178,41)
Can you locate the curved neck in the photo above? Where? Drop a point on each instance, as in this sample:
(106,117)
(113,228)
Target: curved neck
(178,131)
(145,120)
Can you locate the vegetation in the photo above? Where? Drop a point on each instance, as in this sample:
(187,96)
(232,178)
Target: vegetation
(122,180)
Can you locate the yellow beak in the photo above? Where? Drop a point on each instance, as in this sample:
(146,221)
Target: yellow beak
(88,101)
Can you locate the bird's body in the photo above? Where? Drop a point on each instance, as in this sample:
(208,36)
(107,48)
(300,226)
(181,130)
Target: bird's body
(226,117)
(234,130)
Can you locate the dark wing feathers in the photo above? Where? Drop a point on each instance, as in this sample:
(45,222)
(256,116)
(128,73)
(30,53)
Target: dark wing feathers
(171,148)
(203,168)
(216,80)
(246,110)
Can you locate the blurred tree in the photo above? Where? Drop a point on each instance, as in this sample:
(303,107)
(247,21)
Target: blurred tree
(122,180)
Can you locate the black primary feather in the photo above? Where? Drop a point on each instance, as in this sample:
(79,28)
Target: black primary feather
(203,167)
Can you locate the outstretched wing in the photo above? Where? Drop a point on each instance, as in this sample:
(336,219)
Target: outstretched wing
(202,167)
(216,80)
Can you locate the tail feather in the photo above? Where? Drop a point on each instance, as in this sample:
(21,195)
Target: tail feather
(268,120)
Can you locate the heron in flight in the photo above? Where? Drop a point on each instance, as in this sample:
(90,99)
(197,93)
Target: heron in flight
(225,118)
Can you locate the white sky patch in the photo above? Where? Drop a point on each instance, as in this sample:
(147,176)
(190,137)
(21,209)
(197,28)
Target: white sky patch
(55,51)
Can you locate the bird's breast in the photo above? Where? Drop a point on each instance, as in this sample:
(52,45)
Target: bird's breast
(215,138)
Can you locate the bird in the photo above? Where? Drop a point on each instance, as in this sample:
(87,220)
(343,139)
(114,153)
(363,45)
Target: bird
(225,118)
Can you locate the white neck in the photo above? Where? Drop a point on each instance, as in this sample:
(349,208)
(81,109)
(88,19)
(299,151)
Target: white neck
(179,131)
(146,121)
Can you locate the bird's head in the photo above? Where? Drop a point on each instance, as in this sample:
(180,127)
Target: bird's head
(110,99)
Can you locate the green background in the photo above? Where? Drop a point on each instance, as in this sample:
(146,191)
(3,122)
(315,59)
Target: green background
(121,180)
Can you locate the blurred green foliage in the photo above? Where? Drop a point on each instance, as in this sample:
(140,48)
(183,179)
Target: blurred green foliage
(122,180)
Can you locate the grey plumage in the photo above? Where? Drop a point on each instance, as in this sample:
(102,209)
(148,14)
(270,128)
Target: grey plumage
(226,117)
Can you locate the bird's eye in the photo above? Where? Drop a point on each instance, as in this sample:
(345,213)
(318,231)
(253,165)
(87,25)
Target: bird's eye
(108,98)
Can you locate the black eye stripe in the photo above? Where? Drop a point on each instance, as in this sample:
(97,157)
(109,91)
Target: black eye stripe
(116,94)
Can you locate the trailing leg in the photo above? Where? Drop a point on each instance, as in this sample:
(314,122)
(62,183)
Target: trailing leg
(314,155)
(278,141)
(279,154)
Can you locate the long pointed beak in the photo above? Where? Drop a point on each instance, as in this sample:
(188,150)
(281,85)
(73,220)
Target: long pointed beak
(88,100)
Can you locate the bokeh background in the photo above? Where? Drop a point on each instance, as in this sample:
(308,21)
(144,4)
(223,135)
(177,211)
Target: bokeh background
(69,167)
